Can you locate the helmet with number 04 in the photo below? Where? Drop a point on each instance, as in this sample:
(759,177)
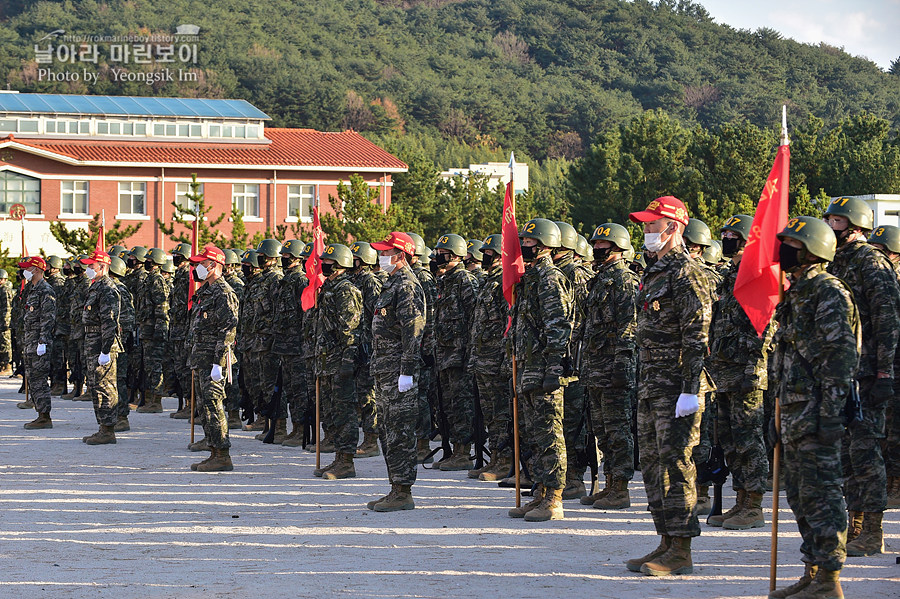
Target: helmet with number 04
(363,250)
(739,224)
(492,242)
(854,210)
(546,232)
(455,244)
(888,236)
(340,253)
(614,233)
(816,236)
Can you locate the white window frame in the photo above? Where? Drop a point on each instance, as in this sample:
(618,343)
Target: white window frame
(295,193)
(181,190)
(239,200)
(70,188)
(132,189)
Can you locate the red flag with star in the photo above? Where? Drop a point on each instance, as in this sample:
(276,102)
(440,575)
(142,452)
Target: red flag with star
(510,249)
(314,265)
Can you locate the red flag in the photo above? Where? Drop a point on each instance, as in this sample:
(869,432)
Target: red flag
(759,280)
(101,237)
(195,249)
(314,264)
(510,249)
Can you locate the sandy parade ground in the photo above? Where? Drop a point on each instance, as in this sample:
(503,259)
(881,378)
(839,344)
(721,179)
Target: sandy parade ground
(133,521)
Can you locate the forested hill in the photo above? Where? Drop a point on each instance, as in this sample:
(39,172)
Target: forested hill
(546,76)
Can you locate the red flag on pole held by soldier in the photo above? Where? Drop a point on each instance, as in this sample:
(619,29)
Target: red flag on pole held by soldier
(510,249)
(314,265)
(759,279)
(195,249)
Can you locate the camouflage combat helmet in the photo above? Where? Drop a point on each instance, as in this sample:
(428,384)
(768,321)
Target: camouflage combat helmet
(365,253)
(3,274)
(628,255)
(116,249)
(614,233)
(712,254)
(117,266)
(639,259)
(231,257)
(270,248)
(139,253)
(473,246)
(584,248)
(492,243)
(855,210)
(251,258)
(182,249)
(157,256)
(888,236)
(545,231)
(568,236)
(455,244)
(816,236)
(697,232)
(307,250)
(419,243)
(340,253)
(169,265)
(739,224)
(293,247)
(55,262)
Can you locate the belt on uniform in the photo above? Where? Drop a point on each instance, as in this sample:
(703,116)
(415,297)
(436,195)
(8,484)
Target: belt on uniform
(94,329)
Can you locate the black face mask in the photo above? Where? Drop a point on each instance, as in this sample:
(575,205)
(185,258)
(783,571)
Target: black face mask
(601,254)
(487,260)
(132,263)
(286,261)
(247,270)
(441,259)
(529,252)
(178,260)
(327,268)
(730,246)
(470,261)
(841,236)
(433,267)
(788,257)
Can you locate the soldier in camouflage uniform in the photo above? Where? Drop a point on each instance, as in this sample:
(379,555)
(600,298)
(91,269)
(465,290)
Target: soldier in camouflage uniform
(250,271)
(6,295)
(232,389)
(427,373)
(180,373)
(872,281)
(76,296)
(472,261)
(364,257)
(575,426)
(100,316)
(117,272)
(608,361)
(674,311)
(397,329)
(815,362)
(58,369)
(39,324)
(288,344)
(310,317)
(152,314)
(489,363)
(453,316)
(738,363)
(540,331)
(213,323)
(340,309)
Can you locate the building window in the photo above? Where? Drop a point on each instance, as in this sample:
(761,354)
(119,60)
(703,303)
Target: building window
(132,198)
(301,199)
(245,199)
(74,197)
(181,199)
(19,189)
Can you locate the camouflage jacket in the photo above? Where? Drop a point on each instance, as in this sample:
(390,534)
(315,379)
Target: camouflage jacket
(339,313)
(178,303)
(213,323)
(77,295)
(152,311)
(816,353)
(398,326)
(289,313)
(370,286)
(20,296)
(237,284)
(126,310)
(245,320)
(39,315)
(429,286)
(100,317)
(738,356)
(261,300)
(478,276)
(542,321)
(488,347)
(674,311)
(6,295)
(873,283)
(714,275)
(579,279)
(135,283)
(382,276)
(58,282)
(453,317)
(610,317)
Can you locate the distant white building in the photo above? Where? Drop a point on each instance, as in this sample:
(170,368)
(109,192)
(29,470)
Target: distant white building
(886,207)
(497,173)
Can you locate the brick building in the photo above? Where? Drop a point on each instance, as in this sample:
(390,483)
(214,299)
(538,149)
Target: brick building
(66,158)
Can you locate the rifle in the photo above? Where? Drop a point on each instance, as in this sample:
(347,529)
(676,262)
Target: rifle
(309,420)
(479,436)
(271,411)
(443,427)
(853,407)
(715,469)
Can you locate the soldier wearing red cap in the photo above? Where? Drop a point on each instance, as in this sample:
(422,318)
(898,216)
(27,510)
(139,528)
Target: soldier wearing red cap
(213,325)
(674,312)
(40,323)
(102,344)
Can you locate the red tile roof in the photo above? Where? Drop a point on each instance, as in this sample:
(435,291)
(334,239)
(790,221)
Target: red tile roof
(288,147)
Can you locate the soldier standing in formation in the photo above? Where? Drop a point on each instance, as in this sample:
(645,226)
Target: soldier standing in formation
(472,261)
(364,257)
(264,367)
(117,272)
(39,324)
(153,320)
(6,295)
(77,294)
(180,374)
(58,369)
(288,344)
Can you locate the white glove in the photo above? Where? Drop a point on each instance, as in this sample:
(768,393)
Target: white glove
(404,383)
(103,359)
(41,349)
(216,373)
(687,404)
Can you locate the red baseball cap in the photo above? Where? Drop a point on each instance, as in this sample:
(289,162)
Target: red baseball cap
(210,252)
(101,257)
(33,261)
(666,206)
(397,240)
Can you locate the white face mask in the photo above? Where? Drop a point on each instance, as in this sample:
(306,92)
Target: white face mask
(386,265)
(654,241)
(90,272)
(201,271)
(27,274)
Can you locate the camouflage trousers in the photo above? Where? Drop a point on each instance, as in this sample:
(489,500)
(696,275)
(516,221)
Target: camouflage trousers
(542,436)
(365,398)
(740,425)
(5,347)
(459,403)
(37,369)
(864,469)
(812,477)
(575,429)
(75,354)
(58,360)
(178,371)
(495,394)
(261,379)
(122,408)
(397,414)
(294,396)
(341,393)
(103,385)
(667,467)
(154,357)
(426,393)
(703,449)
(611,417)
(209,396)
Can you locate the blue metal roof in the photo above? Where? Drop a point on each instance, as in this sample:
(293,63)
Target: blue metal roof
(128,106)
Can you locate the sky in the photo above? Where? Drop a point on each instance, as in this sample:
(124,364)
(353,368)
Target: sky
(862,27)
